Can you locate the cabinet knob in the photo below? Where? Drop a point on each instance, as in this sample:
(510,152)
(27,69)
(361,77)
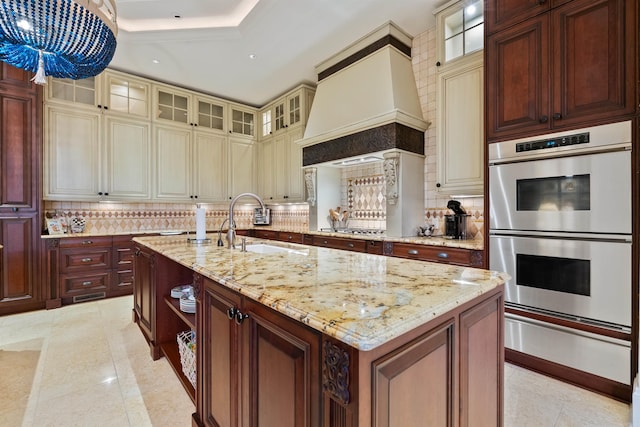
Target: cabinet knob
(105,107)
(87,242)
(87,259)
(543,119)
(438,185)
(351,245)
(443,255)
(87,283)
(557,116)
(231,312)
(99,106)
(413,252)
(438,64)
(99,193)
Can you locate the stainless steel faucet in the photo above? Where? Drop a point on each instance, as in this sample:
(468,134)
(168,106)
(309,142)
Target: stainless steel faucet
(231,234)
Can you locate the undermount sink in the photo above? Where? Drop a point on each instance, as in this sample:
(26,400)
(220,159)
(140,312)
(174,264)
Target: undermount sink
(267,249)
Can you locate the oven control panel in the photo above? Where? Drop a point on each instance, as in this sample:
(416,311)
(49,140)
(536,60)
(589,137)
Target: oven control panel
(579,138)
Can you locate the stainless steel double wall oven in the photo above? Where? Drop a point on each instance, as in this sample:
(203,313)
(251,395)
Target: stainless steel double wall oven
(560,225)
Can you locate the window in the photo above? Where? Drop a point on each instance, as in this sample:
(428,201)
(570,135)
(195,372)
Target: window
(462,30)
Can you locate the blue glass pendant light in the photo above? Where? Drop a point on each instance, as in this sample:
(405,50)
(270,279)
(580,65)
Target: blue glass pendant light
(61,38)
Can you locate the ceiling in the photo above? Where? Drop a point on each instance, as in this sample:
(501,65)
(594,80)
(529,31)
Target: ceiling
(206,44)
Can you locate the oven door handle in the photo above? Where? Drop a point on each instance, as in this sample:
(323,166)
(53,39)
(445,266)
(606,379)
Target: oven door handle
(621,238)
(573,331)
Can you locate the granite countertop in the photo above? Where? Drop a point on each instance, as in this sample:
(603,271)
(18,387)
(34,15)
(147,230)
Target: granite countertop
(473,244)
(360,299)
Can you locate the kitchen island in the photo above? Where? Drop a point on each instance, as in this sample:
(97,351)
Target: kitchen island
(305,335)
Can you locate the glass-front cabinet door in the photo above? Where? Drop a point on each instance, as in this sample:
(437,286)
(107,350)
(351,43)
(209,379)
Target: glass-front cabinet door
(210,114)
(81,92)
(460,30)
(243,122)
(172,105)
(126,95)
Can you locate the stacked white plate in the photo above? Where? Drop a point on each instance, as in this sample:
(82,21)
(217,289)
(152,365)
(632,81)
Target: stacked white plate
(188,303)
(181,290)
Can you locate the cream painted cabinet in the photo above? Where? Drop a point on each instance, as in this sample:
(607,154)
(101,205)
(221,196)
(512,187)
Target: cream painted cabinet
(287,112)
(460,129)
(242,122)
(266,169)
(242,166)
(91,156)
(210,156)
(280,167)
(190,166)
(111,92)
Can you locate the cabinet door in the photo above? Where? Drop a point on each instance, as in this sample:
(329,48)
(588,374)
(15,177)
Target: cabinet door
(127,159)
(242,122)
(517,79)
(71,151)
(18,183)
(172,106)
(242,167)
(482,364)
(218,358)
(19,282)
(144,292)
(209,167)
(126,95)
(173,163)
(594,46)
(16,78)
(460,130)
(294,166)
(500,14)
(267,169)
(283,375)
(427,361)
(281,166)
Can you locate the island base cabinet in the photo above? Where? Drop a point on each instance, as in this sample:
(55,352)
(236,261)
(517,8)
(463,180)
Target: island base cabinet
(258,368)
(447,373)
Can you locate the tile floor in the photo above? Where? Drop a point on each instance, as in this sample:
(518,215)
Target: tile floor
(88,365)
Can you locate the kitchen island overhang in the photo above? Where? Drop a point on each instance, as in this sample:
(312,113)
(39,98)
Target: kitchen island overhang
(375,311)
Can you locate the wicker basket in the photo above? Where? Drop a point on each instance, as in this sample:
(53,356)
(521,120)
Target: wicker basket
(187,348)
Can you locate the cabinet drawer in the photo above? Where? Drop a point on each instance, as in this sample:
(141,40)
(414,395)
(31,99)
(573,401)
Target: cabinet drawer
(266,234)
(82,260)
(88,242)
(124,279)
(290,237)
(337,243)
(85,283)
(374,247)
(433,253)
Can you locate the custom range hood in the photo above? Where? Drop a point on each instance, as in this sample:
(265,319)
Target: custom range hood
(366,101)
(366,107)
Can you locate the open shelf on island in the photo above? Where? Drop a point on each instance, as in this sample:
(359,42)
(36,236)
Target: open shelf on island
(174,305)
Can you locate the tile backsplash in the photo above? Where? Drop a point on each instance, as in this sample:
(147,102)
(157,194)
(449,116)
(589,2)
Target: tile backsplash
(146,217)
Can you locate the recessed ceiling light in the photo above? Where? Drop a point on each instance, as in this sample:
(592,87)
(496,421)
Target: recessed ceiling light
(252,56)
(155,61)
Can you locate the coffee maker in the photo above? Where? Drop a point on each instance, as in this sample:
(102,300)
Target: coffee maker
(455,225)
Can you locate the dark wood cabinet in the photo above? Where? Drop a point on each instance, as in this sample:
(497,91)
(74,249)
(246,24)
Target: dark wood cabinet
(500,14)
(21,287)
(340,243)
(86,268)
(144,293)
(257,366)
(442,254)
(569,67)
(286,236)
(123,254)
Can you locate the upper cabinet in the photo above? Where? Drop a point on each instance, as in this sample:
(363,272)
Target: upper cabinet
(291,110)
(571,66)
(460,99)
(460,31)
(110,92)
(501,14)
(242,121)
(188,109)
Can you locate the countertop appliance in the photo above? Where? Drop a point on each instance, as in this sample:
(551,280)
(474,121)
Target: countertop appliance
(560,225)
(455,225)
(259,218)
